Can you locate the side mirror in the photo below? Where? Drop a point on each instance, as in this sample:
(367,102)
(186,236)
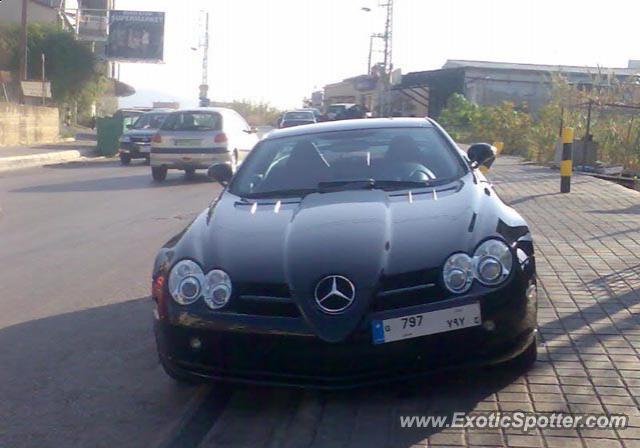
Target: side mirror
(481,154)
(129,126)
(220,172)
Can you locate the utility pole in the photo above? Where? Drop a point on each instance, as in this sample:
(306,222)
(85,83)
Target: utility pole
(385,106)
(204,86)
(368,72)
(23,44)
(384,84)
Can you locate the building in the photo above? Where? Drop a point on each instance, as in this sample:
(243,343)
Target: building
(494,82)
(362,90)
(42,11)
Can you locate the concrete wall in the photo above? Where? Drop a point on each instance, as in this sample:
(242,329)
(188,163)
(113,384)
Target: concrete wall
(26,124)
(11,11)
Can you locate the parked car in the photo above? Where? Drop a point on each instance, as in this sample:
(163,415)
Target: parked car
(194,139)
(345,111)
(135,143)
(344,254)
(297,118)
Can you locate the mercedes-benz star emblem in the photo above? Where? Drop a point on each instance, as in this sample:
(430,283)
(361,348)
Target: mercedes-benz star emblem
(334,294)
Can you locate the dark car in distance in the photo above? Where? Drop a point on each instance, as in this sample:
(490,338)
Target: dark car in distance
(344,254)
(297,118)
(135,142)
(345,111)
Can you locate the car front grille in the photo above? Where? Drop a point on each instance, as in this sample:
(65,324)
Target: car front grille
(394,292)
(264,299)
(409,289)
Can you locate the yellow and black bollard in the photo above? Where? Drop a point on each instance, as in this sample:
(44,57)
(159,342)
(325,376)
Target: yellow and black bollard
(566,165)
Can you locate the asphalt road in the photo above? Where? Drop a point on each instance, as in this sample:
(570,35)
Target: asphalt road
(77,358)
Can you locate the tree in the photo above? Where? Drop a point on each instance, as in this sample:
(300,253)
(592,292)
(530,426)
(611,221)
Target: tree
(257,114)
(70,65)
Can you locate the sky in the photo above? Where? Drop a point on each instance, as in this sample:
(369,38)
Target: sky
(279,51)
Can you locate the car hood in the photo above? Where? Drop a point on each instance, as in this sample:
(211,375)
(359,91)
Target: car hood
(360,235)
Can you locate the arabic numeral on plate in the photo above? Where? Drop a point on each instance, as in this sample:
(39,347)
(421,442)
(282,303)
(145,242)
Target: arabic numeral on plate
(411,322)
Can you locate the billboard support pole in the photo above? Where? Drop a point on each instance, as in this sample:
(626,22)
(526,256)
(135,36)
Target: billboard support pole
(44,93)
(23,45)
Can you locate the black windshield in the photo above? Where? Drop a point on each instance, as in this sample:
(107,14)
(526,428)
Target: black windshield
(384,158)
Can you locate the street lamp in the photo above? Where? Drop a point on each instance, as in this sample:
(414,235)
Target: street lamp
(371,37)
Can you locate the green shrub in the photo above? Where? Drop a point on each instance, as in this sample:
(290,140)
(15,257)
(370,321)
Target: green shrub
(616,129)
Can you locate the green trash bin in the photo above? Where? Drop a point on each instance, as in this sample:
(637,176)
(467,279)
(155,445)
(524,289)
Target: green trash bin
(109,132)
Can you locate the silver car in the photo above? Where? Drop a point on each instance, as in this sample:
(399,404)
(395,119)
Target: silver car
(195,139)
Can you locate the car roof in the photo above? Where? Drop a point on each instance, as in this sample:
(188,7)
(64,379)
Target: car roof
(207,109)
(298,111)
(351,125)
(160,111)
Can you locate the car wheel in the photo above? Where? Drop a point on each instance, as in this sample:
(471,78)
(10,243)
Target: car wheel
(125,159)
(159,173)
(525,360)
(178,376)
(190,173)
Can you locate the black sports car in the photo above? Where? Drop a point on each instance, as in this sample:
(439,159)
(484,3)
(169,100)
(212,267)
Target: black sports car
(348,253)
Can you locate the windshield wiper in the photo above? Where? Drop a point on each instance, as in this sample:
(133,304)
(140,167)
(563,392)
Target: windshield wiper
(293,192)
(372,184)
(353,184)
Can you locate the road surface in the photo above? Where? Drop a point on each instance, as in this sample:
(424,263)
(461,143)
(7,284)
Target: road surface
(77,245)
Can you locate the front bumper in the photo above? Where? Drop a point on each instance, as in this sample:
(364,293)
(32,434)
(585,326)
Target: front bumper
(135,149)
(284,351)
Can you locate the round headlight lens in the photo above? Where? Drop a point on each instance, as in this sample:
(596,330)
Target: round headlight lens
(494,261)
(185,282)
(458,273)
(217,289)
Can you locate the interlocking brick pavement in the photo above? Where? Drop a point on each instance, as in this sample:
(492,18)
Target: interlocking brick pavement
(588,255)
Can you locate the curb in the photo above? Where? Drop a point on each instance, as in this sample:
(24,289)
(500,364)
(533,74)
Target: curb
(35,160)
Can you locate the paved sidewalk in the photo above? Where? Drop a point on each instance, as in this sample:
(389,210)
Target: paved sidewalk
(15,157)
(588,253)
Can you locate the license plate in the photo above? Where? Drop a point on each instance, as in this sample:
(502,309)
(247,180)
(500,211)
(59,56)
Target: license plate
(423,324)
(187,142)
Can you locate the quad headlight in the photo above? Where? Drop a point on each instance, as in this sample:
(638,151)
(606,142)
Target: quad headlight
(217,289)
(491,264)
(125,139)
(187,283)
(458,273)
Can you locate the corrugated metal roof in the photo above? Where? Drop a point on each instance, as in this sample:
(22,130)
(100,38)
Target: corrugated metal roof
(489,65)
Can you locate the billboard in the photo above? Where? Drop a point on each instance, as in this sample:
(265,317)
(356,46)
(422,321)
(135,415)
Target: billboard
(92,25)
(136,36)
